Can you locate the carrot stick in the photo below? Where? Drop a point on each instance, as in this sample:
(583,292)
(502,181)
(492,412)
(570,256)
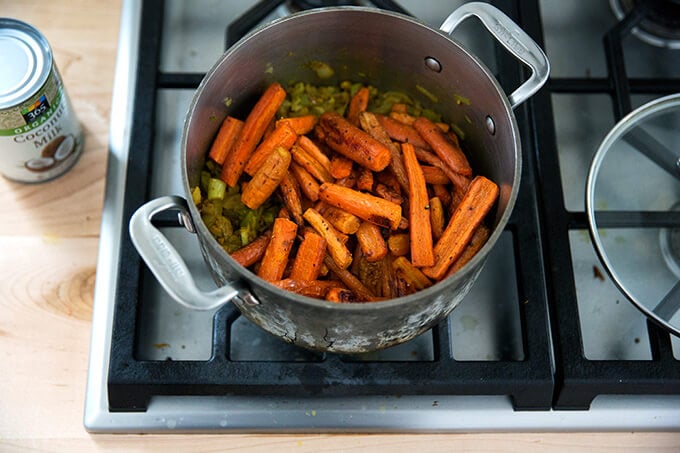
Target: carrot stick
(253,252)
(342,220)
(335,245)
(371,241)
(365,206)
(275,257)
(253,129)
(388,193)
(290,193)
(399,244)
(437,217)
(340,295)
(358,104)
(434,175)
(447,151)
(459,181)
(403,117)
(443,193)
(369,122)
(478,240)
(267,179)
(365,180)
(399,107)
(341,167)
(314,151)
(350,280)
(300,124)
(309,258)
(474,206)
(283,136)
(412,273)
(422,253)
(401,132)
(310,288)
(308,184)
(225,139)
(353,143)
(309,163)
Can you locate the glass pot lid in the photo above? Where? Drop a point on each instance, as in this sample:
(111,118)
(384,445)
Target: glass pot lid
(633,208)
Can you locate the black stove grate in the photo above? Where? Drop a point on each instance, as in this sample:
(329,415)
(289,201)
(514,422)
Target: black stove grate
(553,371)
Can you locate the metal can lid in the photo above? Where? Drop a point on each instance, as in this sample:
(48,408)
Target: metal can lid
(26,61)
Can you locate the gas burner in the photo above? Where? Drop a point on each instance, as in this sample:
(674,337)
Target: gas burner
(669,241)
(660,22)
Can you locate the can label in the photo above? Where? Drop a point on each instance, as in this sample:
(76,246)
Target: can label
(40,138)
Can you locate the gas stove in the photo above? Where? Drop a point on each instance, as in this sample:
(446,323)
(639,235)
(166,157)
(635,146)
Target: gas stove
(544,341)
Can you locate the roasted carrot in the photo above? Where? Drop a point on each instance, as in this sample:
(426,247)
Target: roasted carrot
(365,180)
(252,253)
(310,288)
(434,175)
(309,163)
(403,117)
(459,181)
(369,122)
(283,136)
(420,228)
(371,241)
(437,217)
(365,206)
(341,167)
(399,107)
(358,104)
(401,132)
(334,242)
(412,273)
(342,220)
(290,193)
(300,124)
(478,240)
(388,193)
(314,151)
(275,257)
(266,179)
(253,129)
(448,152)
(225,139)
(350,141)
(399,244)
(308,184)
(309,257)
(340,295)
(474,206)
(443,193)
(350,280)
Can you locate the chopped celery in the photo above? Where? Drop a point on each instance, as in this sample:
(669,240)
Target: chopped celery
(216,189)
(196,195)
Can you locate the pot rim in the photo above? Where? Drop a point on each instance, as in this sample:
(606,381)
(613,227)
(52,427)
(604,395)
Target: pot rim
(250,277)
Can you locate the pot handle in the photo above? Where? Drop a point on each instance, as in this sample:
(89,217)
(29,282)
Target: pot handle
(513,38)
(165,262)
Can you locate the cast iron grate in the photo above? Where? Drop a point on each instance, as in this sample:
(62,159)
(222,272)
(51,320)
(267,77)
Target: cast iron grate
(578,379)
(132,382)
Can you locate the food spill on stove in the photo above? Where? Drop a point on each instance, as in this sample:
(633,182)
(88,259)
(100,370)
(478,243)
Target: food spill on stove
(313,188)
(597,273)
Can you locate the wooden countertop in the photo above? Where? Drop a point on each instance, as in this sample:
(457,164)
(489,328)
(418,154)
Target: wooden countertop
(48,249)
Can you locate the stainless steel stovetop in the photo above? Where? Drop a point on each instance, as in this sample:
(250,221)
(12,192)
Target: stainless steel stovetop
(487,327)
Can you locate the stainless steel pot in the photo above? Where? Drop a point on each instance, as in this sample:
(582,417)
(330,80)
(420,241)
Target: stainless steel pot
(392,52)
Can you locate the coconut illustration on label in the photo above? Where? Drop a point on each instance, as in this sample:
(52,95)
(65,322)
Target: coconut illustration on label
(53,153)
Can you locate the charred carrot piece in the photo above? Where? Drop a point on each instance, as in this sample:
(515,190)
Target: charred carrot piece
(309,163)
(350,280)
(434,175)
(308,185)
(342,220)
(443,193)
(314,151)
(275,257)
(225,139)
(478,240)
(474,206)
(369,122)
(414,275)
(401,132)
(403,117)
(358,104)
(253,129)
(449,152)
(365,206)
(341,167)
(422,253)
(253,252)
(310,288)
(267,178)
(399,107)
(350,141)
(459,181)
(388,193)
(340,296)
(399,244)
(365,180)
(334,243)
(371,241)
(309,258)
(290,193)
(283,136)
(300,124)
(437,217)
